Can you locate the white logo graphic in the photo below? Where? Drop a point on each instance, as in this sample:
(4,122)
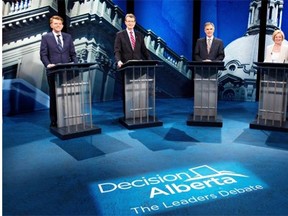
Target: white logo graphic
(196,178)
(190,186)
(214,173)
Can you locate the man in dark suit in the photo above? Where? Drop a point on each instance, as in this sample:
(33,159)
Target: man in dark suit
(209,48)
(56,47)
(129,44)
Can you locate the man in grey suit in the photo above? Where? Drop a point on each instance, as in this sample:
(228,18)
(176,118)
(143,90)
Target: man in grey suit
(129,44)
(209,48)
(56,47)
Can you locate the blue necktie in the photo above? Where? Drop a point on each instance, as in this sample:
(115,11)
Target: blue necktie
(59,43)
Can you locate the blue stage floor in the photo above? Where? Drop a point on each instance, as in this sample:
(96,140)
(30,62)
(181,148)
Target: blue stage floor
(173,169)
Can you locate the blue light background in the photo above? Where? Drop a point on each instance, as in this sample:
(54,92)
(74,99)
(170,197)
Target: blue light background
(169,19)
(229,17)
(284,26)
(121,4)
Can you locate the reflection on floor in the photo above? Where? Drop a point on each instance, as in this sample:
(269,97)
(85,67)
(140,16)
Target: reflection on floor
(173,169)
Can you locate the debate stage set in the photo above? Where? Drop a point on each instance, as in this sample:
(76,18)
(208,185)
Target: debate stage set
(165,136)
(173,169)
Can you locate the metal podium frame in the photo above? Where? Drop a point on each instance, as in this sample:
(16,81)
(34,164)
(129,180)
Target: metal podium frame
(139,94)
(273,91)
(205,94)
(73,100)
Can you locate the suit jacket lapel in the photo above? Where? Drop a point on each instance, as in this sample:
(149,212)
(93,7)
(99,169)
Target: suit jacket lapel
(205,45)
(136,40)
(53,38)
(64,40)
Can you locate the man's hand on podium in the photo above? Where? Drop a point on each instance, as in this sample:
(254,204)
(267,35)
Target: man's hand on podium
(119,64)
(50,65)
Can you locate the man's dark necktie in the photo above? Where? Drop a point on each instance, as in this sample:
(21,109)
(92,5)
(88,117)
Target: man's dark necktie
(132,39)
(59,43)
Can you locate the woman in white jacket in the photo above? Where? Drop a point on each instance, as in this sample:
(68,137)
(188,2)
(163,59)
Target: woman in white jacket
(277,52)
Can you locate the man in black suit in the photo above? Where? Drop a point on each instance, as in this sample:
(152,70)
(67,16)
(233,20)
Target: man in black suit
(129,44)
(209,48)
(56,47)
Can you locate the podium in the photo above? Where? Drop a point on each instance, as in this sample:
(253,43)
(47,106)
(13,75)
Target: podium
(273,91)
(205,94)
(73,100)
(139,94)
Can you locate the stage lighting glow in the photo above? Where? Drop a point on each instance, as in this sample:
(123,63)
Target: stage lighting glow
(172,189)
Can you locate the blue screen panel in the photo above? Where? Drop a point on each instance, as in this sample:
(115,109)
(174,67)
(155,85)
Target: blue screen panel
(284,26)
(169,19)
(230,18)
(122,4)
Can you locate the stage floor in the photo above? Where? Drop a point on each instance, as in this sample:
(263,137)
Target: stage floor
(174,169)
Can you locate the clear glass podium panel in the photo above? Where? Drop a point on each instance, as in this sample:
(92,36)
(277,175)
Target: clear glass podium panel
(73,100)
(273,91)
(273,97)
(140,94)
(205,95)
(139,80)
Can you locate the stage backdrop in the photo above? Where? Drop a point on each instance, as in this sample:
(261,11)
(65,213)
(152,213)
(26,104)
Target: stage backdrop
(230,18)
(240,34)
(173,22)
(121,4)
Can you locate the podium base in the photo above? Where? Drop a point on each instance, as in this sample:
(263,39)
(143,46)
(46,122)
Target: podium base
(74,131)
(138,123)
(204,121)
(268,126)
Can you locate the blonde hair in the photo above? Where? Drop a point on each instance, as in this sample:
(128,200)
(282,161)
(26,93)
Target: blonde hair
(278,32)
(57,18)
